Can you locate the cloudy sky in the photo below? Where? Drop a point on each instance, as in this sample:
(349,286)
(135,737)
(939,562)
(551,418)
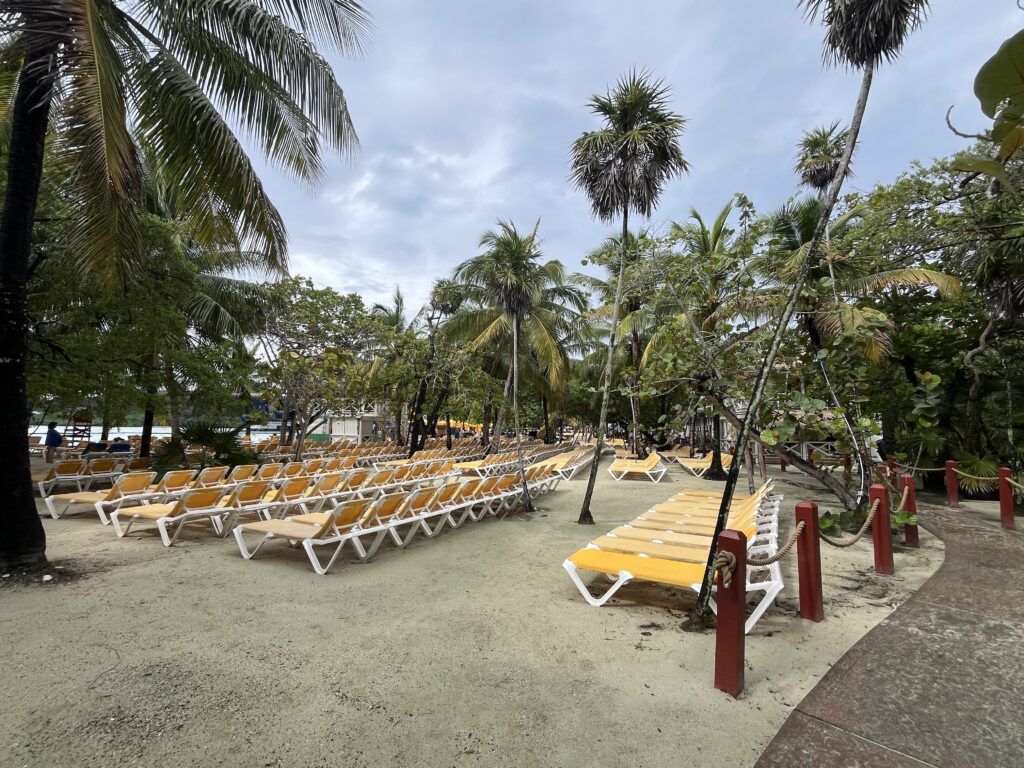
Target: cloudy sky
(466,110)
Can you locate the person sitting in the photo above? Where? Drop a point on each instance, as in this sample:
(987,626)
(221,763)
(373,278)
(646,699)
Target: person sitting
(53,441)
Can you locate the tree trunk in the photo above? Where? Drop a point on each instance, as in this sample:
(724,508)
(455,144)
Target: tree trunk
(22,539)
(500,418)
(486,425)
(147,429)
(634,396)
(105,426)
(547,424)
(283,431)
(173,401)
(716,471)
(831,197)
(448,431)
(794,458)
(527,501)
(586,518)
(975,429)
(399,439)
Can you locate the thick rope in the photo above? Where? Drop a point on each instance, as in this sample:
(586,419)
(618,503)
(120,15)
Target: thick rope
(920,469)
(764,562)
(975,477)
(1015,484)
(725,564)
(849,542)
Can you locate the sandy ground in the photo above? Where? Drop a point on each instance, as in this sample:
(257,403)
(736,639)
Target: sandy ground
(470,649)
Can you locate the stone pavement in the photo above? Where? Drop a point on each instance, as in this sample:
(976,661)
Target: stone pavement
(938,683)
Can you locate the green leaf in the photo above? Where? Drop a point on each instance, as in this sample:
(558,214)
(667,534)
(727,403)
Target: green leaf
(999,84)
(992,168)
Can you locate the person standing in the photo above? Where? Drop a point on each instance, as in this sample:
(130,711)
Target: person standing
(53,441)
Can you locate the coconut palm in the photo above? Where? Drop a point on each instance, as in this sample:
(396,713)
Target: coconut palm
(623,168)
(818,156)
(509,292)
(96,74)
(860,35)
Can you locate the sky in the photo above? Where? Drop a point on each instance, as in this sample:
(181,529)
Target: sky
(466,110)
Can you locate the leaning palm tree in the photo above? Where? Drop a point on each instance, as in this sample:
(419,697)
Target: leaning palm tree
(623,167)
(861,35)
(96,74)
(509,291)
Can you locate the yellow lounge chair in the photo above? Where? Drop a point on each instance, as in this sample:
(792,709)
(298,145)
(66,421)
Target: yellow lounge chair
(651,468)
(629,553)
(333,529)
(196,504)
(127,487)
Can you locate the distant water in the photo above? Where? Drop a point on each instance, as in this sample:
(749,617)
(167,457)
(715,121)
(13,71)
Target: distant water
(124,432)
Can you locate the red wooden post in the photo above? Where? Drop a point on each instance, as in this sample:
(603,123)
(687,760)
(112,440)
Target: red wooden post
(808,560)
(880,533)
(729,634)
(952,485)
(782,465)
(847,462)
(810,456)
(893,472)
(910,534)
(1006,499)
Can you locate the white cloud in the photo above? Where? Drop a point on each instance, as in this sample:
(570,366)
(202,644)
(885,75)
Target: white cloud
(466,111)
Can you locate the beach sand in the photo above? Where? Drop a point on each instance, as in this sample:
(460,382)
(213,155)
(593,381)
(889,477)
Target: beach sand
(470,649)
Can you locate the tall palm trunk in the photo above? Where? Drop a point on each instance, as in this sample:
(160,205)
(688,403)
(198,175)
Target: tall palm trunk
(586,518)
(716,471)
(485,427)
(173,401)
(547,420)
(22,540)
(634,395)
(787,313)
(147,427)
(527,502)
(499,420)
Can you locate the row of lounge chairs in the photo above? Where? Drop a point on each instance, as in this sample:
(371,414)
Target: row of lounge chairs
(670,543)
(567,464)
(398,517)
(315,513)
(127,490)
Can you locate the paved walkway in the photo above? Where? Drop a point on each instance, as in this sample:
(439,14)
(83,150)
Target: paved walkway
(938,683)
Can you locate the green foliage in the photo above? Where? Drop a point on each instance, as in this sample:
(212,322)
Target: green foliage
(203,444)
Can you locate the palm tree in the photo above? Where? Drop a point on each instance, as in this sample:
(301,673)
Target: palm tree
(818,156)
(861,35)
(98,74)
(623,167)
(508,290)
(634,307)
(719,295)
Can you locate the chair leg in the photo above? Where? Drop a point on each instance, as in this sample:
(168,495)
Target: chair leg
(245,551)
(623,578)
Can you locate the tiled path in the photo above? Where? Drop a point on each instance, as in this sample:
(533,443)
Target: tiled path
(938,683)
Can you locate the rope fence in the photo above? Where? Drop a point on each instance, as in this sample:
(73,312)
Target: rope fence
(850,541)
(975,477)
(764,562)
